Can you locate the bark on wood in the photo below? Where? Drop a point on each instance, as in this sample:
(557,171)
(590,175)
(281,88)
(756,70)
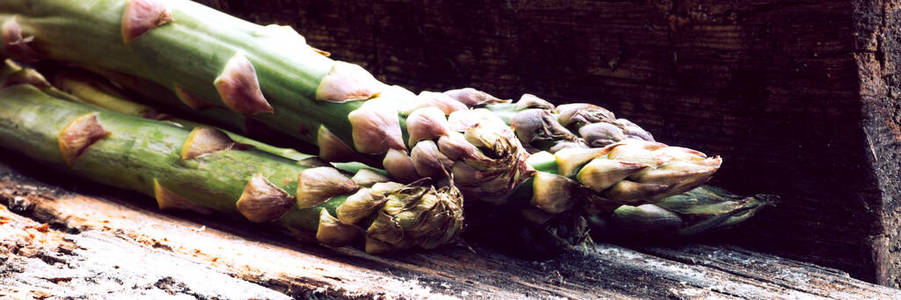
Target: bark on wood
(800,97)
(68,238)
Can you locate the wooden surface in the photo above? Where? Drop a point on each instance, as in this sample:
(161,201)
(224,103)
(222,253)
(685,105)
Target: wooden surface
(801,98)
(66,238)
(877,50)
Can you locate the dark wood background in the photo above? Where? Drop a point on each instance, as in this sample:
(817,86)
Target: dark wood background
(800,97)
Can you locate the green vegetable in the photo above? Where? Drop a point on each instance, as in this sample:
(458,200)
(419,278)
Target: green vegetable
(204,170)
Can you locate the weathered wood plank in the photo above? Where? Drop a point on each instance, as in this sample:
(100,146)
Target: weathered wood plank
(877,50)
(770,269)
(799,97)
(38,262)
(110,241)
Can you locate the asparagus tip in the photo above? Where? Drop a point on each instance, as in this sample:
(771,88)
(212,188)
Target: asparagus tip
(376,128)
(205,141)
(399,165)
(426,123)
(472,97)
(415,216)
(359,206)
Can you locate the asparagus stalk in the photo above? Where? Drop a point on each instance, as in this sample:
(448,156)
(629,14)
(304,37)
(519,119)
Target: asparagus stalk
(84,87)
(203,170)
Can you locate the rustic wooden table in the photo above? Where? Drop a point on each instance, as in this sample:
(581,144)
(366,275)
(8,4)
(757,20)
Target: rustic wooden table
(66,238)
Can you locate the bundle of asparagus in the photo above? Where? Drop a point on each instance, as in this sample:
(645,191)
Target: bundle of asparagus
(270,74)
(80,86)
(204,170)
(246,75)
(698,210)
(555,230)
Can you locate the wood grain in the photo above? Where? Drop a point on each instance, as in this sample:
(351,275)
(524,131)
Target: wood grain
(801,98)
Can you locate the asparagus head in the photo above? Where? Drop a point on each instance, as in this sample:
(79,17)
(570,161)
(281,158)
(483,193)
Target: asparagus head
(569,130)
(699,210)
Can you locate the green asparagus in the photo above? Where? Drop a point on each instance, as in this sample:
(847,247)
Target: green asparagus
(214,64)
(566,227)
(204,170)
(270,74)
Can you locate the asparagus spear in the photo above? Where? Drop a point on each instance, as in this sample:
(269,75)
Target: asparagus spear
(84,87)
(203,170)
(702,209)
